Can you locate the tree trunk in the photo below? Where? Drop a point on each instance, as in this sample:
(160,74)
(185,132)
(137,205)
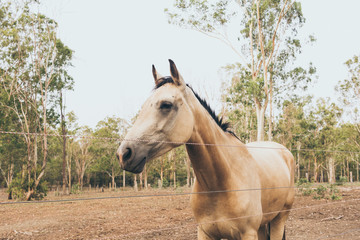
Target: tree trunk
(188,175)
(63,131)
(260,116)
(347,170)
(69,176)
(331,170)
(308,169)
(35,155)
(173,157)
(141,181)
(315,169)
(162,171)
(270,137)
(124,183)
(145,177)
(113,181)
(135,183)
(298,160)
(357,171)
(9,176)
(28,194)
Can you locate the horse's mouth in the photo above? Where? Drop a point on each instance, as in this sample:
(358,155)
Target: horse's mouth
(139,167)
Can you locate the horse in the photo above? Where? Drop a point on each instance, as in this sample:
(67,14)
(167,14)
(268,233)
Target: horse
(241,191)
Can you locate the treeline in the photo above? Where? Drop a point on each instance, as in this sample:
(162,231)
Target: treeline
(42,146)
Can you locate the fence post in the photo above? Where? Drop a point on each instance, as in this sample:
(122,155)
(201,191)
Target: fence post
(351,177)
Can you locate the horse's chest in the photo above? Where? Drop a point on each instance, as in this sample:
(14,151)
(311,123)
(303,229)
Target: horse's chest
(224,214)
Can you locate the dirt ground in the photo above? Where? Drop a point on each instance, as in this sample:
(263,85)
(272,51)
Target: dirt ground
(161,217)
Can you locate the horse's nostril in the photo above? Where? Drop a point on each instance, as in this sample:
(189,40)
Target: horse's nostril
(127,154)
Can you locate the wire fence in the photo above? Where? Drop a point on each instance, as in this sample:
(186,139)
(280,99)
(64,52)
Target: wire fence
(178,143)
(140,233)
(149,195)
(172,228)
(189,225)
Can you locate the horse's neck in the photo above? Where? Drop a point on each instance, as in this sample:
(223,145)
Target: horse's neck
(208,156)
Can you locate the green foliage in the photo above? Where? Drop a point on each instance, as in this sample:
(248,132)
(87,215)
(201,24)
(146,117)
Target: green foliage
(341,181)
(75,189)
(302,181)
(320,192)
(20,186)
(328,192)
(33,71)
(166,183)
(334,192)
(202,15)
(301,122)
(267,37)
(350,88)
(304,187)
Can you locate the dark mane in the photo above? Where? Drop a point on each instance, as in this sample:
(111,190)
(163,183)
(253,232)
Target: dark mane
(164,80)
(225,126)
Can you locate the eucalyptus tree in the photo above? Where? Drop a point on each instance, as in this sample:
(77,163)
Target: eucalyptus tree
(32,71)
(266,44)
(349,90)
(83,158)
(293,129)
(326,137)
(12,147)
(107,135)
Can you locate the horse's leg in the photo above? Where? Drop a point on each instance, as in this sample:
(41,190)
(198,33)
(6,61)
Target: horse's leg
(250,235)
(203,235)
(277,226)
(263,233)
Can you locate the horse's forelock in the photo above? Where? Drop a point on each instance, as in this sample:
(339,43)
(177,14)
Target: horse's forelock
(164,80)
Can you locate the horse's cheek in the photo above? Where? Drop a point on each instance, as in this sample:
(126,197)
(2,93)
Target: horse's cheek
(185,126)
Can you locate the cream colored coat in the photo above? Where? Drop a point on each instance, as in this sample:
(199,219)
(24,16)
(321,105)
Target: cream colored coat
(253,183)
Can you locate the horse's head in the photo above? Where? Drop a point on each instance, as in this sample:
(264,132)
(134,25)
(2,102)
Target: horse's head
(164,122)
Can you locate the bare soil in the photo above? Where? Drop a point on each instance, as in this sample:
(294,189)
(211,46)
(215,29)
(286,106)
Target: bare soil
(120,215)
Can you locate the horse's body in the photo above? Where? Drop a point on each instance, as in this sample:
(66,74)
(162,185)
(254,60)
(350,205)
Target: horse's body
(249,185)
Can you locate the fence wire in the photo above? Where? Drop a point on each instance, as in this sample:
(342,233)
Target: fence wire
(188,193)
(148,195)
(177,143)
(242,217)
(340,234)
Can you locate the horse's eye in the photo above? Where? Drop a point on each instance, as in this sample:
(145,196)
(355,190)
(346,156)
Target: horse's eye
(166,106)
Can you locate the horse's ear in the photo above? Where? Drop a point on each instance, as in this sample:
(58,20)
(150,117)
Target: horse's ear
(156,75)
(175,74)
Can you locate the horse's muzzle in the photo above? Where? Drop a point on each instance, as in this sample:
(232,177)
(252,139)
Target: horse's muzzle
(129,160)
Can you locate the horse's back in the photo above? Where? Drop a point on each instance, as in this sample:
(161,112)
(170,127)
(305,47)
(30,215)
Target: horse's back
(275,168)
(272,156)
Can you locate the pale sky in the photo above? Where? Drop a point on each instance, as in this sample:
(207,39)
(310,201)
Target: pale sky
(117,41)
